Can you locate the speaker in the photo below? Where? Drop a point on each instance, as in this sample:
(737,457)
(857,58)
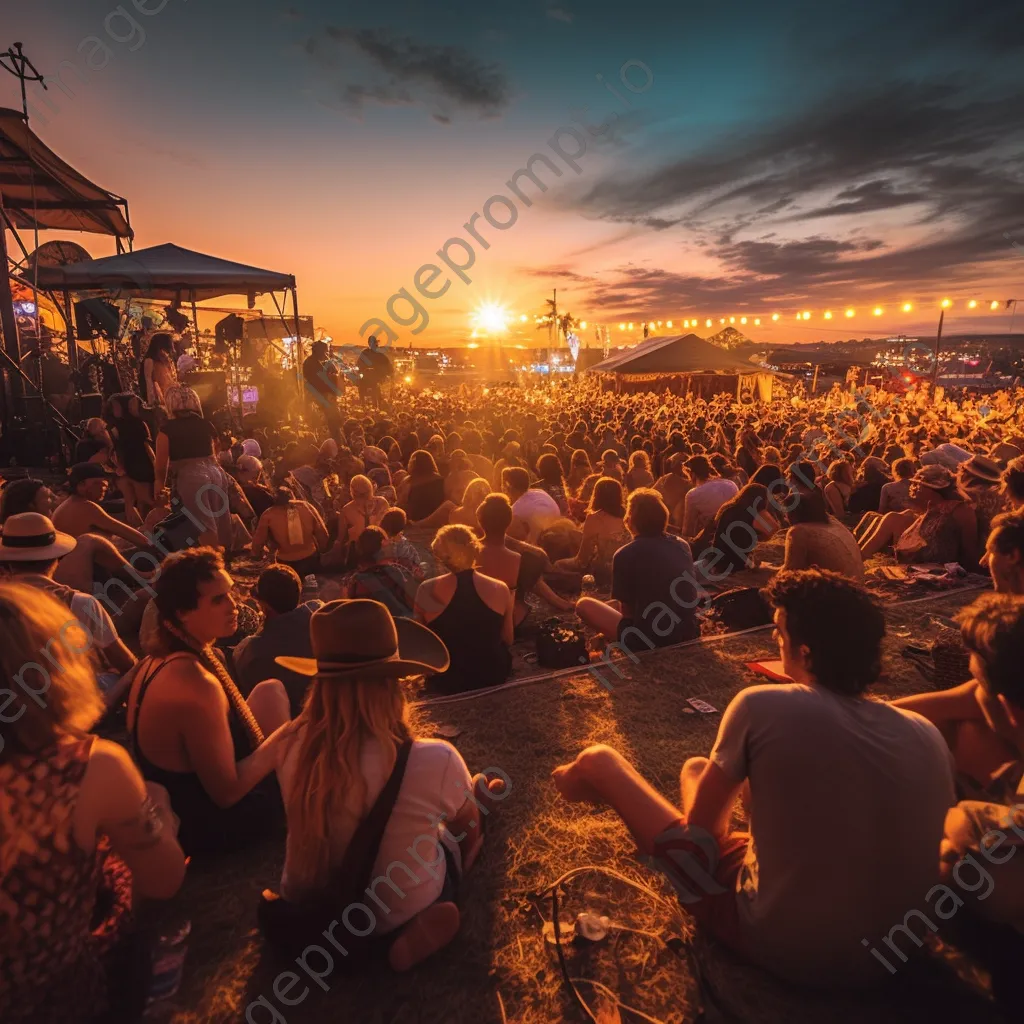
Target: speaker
(212,388)
(228,332)
(94,316)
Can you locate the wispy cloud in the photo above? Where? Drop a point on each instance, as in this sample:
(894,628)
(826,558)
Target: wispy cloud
(396,70)
(560,14)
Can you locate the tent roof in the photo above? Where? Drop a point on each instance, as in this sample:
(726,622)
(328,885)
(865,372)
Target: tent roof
(39,190)
(677,353)
(164,272)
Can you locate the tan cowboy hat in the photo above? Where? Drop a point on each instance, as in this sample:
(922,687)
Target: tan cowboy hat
(983,468)
(359,638)
(936,478)
(31,537)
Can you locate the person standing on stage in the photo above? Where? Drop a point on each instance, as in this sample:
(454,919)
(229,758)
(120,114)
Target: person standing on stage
(158,374)
(374,368)
(322,381)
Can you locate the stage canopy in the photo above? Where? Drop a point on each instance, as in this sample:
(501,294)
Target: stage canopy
(678,353)
(39,190)
(164,272)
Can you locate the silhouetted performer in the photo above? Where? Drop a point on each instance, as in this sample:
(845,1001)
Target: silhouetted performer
(323,385)
(374,369)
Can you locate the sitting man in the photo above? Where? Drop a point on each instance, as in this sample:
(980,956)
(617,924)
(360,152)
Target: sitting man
(81,513)
(1004,553)
(285,632)
(993,629)
(846,799)
(653,583)
(533,510)
(29,551)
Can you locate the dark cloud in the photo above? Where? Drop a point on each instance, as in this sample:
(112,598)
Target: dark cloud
(408,72)
(944,155)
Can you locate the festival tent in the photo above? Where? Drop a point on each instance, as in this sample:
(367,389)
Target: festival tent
(164,272)
(683,363)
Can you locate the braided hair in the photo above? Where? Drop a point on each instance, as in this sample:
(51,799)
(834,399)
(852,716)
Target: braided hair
(177,590)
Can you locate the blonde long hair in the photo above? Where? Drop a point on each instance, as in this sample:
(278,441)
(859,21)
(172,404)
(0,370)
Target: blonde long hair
(328,786)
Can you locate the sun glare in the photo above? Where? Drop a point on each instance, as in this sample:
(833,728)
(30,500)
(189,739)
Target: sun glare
(491,317)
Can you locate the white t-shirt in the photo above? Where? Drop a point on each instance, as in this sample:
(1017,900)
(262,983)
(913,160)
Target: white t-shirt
(436,782)
(848,800)
(537,508)
(707,499)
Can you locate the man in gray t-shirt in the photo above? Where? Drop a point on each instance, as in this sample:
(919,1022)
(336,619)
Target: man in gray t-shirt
(846,797)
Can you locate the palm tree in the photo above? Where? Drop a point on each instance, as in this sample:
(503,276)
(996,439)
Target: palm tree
(563,324)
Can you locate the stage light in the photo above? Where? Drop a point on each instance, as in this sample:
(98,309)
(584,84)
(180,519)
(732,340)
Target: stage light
(973,304)
(946,303)
(828,314)
(994,304)
(877,311)
(743,319)
(775,316)
(849,312)
(907,307)
(408,377)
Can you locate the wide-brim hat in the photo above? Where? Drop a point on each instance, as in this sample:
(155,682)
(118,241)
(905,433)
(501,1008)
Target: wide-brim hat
(360,638)
(31,537)
(937,478)
(983,468)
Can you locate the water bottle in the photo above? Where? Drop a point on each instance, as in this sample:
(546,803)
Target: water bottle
(588,585)
(310,588)
(168,964)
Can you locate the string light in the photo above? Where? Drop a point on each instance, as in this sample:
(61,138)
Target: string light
(708,322)
(807,316)
(732,319)
(743,319)
(994,305)
(775,316)
(757,322)
(907,307)
(722,320)
(946,303)
(850,312)
(631,325)
(878,311)
(828,314)
(668,323)
(622,327)
(973,304)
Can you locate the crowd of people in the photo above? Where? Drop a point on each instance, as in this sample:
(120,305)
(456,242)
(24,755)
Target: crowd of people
(181,713)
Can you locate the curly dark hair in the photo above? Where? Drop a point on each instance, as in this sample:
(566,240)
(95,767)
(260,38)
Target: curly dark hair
(838,621)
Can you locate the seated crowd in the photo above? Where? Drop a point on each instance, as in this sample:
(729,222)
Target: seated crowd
(424,547)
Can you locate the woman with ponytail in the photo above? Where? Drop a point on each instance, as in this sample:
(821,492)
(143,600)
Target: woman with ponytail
(190,729)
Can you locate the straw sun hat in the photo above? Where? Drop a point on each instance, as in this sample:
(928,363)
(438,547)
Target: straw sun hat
(360,639)
(31,537)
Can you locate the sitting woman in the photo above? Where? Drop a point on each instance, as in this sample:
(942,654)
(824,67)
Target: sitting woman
(817,541)
(579,469)
(82,834)
(465,515)
(363,510)
(866,495)
(93,558)
(839,487)
(295,529)
(604,531)
(379,578)
(422,494)
(470,612)
(353,739)
(639,472)
(190,730)
(549,470)
(736,529)
(944,528)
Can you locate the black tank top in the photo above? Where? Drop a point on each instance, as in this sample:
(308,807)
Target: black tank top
(204,825)
(472,633)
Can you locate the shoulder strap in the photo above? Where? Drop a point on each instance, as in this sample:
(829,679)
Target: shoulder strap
(153,669)
(354,875)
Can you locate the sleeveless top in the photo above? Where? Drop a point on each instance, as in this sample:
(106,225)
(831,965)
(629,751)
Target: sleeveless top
(472,633)
(933,537)
(200,817)
(50,969)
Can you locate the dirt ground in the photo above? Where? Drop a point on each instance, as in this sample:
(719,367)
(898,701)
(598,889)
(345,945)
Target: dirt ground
(500,968)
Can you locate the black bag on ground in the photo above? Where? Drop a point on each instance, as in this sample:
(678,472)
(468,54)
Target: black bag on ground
(289,927)
(560,645)
(741,608)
